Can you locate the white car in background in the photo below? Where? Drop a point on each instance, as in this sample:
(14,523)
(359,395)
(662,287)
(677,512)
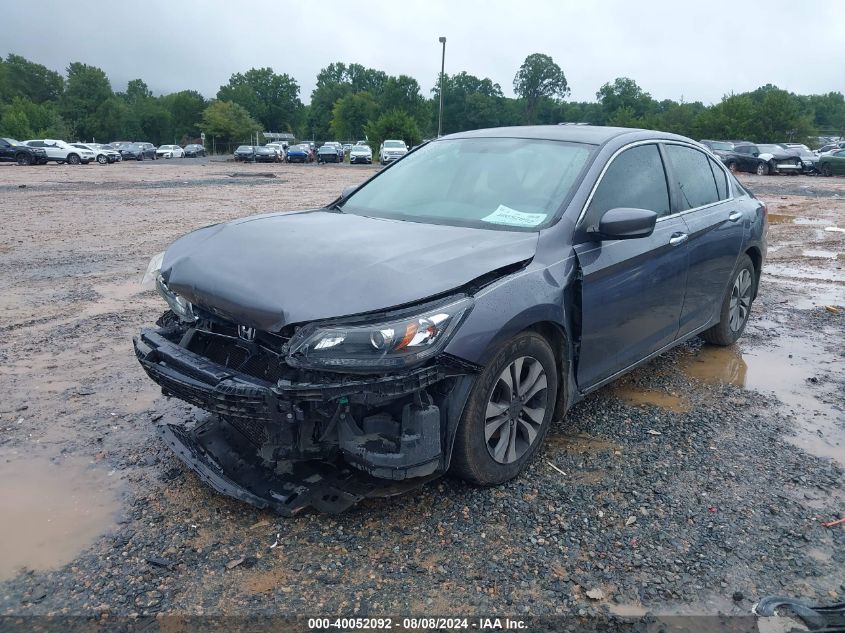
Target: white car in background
(392,150)
(279,149)
(170,151)
(360,154)
(105,155)
(62,152)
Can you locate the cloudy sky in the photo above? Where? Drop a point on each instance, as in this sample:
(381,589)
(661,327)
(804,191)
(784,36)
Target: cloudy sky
(672,49)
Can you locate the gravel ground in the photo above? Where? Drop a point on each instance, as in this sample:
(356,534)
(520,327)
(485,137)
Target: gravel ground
(690,487)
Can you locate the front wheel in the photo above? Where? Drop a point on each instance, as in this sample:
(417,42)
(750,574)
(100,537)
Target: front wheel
(736,305)
(732,167)
(826,170)
(508,412)
(23,159)
(762,169)
(102,159)
(73,159)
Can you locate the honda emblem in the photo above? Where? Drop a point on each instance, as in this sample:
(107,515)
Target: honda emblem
(246,333)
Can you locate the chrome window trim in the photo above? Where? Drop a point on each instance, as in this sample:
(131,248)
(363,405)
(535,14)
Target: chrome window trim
(655,141)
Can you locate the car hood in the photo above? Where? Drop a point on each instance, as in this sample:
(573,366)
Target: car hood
(271,270)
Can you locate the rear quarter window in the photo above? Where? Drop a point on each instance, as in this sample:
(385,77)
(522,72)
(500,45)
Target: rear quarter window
(692,176)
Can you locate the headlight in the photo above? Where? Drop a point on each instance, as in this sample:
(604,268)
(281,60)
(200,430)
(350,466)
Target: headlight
(153,270)
(390,344)
(180,306)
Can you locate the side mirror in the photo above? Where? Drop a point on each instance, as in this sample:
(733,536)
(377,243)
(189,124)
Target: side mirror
(624,223)
(348,191)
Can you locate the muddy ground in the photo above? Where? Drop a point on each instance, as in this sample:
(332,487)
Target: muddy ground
(697,484)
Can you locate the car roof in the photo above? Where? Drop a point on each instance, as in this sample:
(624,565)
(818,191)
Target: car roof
(592,134)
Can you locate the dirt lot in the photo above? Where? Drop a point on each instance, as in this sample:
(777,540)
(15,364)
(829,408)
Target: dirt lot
(697,484)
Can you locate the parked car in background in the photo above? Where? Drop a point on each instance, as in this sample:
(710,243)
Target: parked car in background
(770,158)
(338,148)
(194,151)
(17,152)
(137,151)
(722,149)
(62,152)
(830,147)
(542,263)
(832,163)
(328,154)
(391,150)
(264,154)
(298,154)
(279,149)
(361,154)
(104,155)
(794,146)
(347,147)
(244,153)
(809,160)
(170,151)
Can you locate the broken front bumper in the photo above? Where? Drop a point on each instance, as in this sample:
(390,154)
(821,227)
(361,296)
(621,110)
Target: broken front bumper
(342,437)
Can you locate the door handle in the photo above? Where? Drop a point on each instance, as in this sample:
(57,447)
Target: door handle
(734,216)
(678,238)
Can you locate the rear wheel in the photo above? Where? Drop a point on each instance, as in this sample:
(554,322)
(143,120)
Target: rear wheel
(23,159)
(736,305)
(762,169)
(508,412)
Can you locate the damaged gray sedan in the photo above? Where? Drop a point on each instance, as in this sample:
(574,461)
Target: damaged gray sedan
(441,315)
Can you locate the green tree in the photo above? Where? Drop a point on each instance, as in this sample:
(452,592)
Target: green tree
(137,90)
(20,77)
(334,82)
(539,77)
(351,114)
(185,108)
(468,103)
(13,123)
(229,122)
(271,99)
(87,88)
(625,93)
(395,124)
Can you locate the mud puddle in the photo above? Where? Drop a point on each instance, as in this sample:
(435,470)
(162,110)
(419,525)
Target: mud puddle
(650,398)
(52,510)
(791,271)
(799,371)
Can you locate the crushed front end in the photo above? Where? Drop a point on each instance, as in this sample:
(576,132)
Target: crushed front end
(287,436)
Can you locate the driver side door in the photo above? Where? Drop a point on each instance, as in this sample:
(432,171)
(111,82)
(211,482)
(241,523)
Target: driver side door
(632,290)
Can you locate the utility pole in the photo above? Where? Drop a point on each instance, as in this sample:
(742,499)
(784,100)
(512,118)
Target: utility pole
(442,70)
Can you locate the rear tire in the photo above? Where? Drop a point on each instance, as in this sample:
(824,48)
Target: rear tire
(497,436)
(736,305)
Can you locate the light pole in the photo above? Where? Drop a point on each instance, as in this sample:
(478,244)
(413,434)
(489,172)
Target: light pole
(442,70)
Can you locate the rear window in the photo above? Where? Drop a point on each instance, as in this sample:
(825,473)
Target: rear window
(693,177)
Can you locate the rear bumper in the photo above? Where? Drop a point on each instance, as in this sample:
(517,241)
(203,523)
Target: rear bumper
(382,428)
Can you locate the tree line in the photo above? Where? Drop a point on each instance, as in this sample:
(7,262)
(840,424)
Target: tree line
(351,102)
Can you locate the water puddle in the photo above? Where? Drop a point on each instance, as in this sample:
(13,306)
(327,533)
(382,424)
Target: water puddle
(790,271)
(52,510)
(649,398)
(818,253)
(799,371)
(781,218)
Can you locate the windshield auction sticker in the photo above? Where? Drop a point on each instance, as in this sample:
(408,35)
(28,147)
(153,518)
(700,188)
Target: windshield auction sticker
(512,217)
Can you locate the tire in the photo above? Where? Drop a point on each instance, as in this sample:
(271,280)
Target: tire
(513,435)
(741,290)
(23,159)
(762,169)
(826,170)
(732,167)
(73,159)
(102,159)
(140,157)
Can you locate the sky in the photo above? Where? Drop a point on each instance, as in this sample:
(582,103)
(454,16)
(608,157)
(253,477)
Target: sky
(677,50)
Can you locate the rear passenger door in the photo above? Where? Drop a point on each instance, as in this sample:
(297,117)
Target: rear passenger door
(632,290)
(715,228)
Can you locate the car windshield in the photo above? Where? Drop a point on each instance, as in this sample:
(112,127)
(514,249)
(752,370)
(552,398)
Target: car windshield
(721,145)
(360,148)
(394,144)
(504,183)
(244,148)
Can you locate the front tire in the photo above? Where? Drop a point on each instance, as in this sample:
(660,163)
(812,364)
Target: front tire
(826,170)
(102,159)
(23,159)
(508,413)
(762,169)
(736,305)
(73,159)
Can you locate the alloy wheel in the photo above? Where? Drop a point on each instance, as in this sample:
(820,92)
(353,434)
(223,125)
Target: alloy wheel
(516,410)
(740,300)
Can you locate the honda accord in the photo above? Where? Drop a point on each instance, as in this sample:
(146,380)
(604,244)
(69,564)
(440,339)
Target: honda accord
(443,314)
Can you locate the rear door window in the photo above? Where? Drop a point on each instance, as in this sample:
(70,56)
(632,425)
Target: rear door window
(692,177)
(636,179)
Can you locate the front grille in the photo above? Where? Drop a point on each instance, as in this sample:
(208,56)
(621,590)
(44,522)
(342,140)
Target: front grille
(251,359)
